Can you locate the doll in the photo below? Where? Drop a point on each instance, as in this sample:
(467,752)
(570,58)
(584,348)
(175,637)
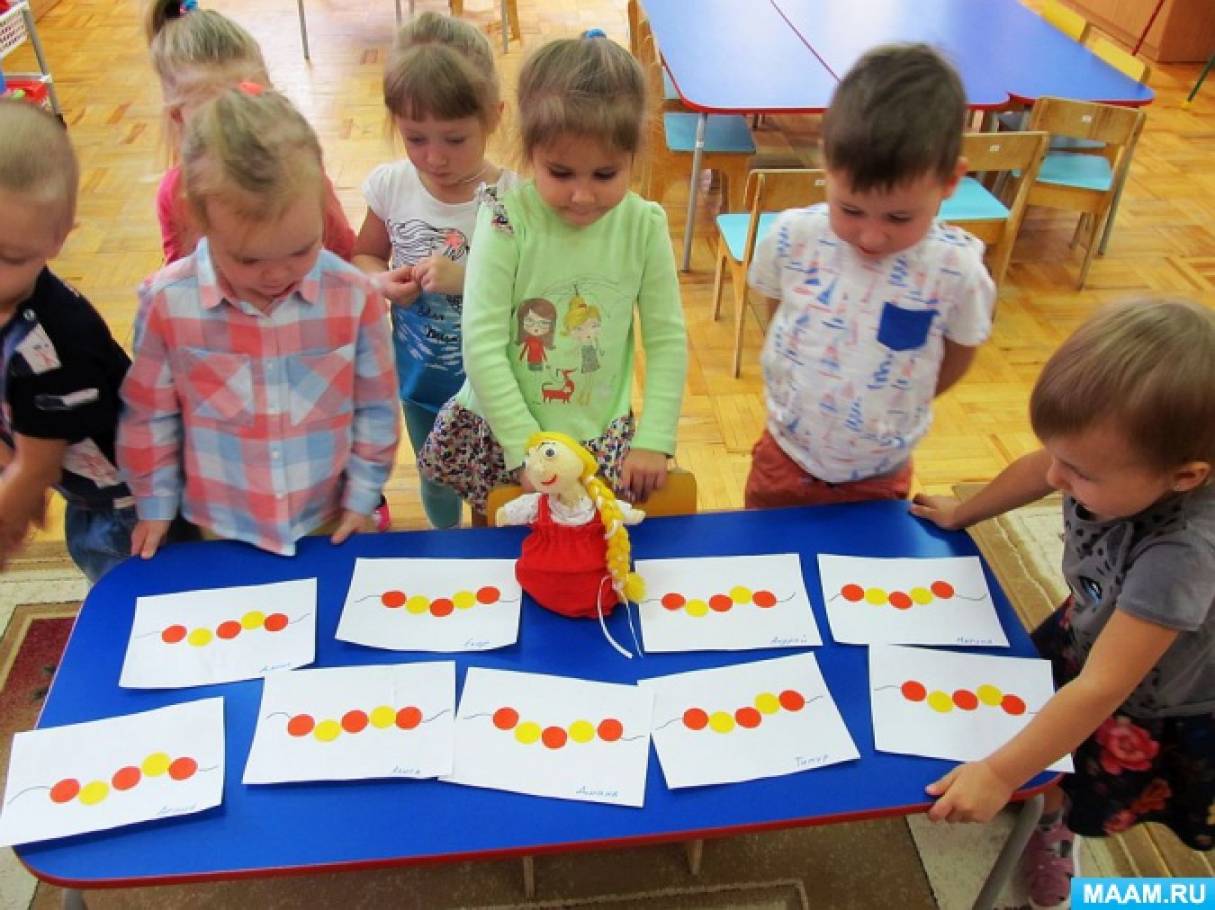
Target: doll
(576,560)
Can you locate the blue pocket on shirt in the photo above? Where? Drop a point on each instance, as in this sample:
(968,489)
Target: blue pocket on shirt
(902,329)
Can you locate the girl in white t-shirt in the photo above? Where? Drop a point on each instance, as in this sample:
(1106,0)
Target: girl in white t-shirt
(441,89)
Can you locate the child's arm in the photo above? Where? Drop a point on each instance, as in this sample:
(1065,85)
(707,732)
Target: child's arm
(665,341)
(486,326)
(372,250)
(1023,481)
(954,364)
(1124,653)
(437,274)
(375,428)
(35,466)
(150,431)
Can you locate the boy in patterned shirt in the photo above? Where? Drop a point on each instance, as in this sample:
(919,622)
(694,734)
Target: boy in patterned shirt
(879,307)
(60,368)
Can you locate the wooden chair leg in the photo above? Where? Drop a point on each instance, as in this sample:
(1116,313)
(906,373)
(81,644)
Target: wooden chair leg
(529,878)
(723,253)
(695,851)
(1090,250)
(1001,254)
(512,15)
(740,314)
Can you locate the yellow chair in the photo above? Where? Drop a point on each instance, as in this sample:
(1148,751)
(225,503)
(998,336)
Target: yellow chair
(728,144)
(976,209)
(677,497)
(1066,20)
(769,191)
(1123,61)
(1088,183)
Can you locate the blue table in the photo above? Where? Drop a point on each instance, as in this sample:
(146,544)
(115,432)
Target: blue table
(367,824)
(1000,47)
(730,57)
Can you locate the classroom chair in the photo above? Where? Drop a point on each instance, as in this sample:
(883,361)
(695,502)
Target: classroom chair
(1087,183)
(512,16)
(677,497)
(728,143)
(983,213)
(769,191)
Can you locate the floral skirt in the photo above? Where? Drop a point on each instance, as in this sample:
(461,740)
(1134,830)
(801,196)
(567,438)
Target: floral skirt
(1135,769)
(462,453)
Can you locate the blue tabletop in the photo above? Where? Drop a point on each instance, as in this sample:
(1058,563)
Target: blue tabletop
(265,829)
(999,47)
(728,57)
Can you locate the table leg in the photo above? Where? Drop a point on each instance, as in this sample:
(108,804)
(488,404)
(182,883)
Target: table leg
(695,850)
(303,29)
(529,878)
(72,900)
(1027,818)
(693,186)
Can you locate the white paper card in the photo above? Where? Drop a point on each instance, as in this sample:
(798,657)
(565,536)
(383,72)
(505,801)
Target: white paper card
(101,774)
(940,601)
(195,638)
(762,719)
(553,736)
(346,723)
(432,604)
(726,603)
(947,705)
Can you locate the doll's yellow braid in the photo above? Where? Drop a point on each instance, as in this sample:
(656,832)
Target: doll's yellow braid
(628,585)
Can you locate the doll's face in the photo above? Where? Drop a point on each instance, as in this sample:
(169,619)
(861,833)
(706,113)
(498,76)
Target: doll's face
(535,324)
(552,468)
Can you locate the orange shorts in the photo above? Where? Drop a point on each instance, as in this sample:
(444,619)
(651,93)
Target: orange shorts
(776,480)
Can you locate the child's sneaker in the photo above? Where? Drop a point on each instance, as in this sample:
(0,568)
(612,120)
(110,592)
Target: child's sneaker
(1049,864)
(383,521)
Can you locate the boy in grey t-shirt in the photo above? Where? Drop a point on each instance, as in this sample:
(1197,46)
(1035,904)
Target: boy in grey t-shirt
(1126,417)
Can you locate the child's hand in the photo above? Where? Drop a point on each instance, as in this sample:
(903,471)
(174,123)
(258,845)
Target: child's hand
(349,523)
(399,285)
(439,275)
(942,511)
(147,537)
(972,792)
(644,472)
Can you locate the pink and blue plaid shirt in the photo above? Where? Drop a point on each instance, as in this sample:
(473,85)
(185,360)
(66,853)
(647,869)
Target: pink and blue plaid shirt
(258,426)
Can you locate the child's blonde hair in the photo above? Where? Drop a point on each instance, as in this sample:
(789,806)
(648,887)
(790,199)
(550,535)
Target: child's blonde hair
(443,68)
(37,160)
(1149,367)
(254,151)
(197,53)
(628,585)
(589,86)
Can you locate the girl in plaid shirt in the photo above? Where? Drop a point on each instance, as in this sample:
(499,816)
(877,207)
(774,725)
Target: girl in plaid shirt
(262,396)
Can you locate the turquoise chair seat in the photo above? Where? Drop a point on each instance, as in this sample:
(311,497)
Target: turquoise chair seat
(723,133)
(733,227)
(972,202)
(1088,172)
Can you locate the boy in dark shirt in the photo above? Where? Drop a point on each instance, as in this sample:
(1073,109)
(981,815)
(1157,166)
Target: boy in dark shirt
(60,368)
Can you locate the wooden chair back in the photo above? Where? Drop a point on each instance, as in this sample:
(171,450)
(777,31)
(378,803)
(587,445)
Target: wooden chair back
(677,497)
(1117,127)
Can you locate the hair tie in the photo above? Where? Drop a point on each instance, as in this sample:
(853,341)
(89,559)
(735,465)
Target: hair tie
(251,88)
(187,6)
(594,33)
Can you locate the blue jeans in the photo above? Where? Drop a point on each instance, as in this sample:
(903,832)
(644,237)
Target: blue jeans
(99,538)
(441,503)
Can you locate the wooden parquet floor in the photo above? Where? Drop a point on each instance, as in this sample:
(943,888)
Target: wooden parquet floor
(1163,243)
